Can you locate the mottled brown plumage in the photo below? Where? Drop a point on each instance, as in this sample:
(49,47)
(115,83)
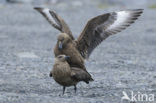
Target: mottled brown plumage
(96,30)
(65,75)
(68,47)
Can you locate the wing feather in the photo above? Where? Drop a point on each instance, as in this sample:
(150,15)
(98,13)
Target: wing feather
(55,20)
(99,28)
(80,75)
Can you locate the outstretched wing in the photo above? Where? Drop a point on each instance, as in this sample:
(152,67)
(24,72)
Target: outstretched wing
(102,26)
(52,17)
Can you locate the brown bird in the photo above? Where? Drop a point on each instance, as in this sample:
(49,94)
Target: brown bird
(65,75)
(96,30)
(65,45)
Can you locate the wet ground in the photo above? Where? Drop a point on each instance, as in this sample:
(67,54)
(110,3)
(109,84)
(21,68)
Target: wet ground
(123,62)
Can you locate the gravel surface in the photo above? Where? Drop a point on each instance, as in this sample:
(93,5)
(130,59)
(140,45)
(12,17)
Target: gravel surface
(123,62)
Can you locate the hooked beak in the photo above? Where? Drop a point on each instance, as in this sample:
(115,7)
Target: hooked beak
(60,45)
(67,57)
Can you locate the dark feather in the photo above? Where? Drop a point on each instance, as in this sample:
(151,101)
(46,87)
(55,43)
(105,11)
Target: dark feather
(99,28)
(52,17)
(80,75)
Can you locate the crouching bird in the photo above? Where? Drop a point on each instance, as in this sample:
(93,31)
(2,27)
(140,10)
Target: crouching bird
(67,76)
(96,30)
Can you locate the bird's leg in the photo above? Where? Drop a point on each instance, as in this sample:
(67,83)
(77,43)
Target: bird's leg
(75,88)
(64,89)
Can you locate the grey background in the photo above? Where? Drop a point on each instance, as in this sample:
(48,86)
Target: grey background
(123,62)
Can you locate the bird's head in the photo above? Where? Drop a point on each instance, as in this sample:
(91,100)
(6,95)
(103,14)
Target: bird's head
(62,40)
(62,58)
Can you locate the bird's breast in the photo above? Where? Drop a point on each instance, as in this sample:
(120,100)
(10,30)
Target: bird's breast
(70,50)
(62,75)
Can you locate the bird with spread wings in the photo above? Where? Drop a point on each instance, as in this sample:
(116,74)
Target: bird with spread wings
(96,30)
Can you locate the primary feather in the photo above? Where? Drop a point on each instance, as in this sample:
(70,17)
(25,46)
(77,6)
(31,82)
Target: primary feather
(101,27)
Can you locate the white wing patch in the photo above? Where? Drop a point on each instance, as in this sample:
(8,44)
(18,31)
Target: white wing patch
(47,13)
(122,16)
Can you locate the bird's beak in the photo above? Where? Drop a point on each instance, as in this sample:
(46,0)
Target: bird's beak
(60,45)
(67,57)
